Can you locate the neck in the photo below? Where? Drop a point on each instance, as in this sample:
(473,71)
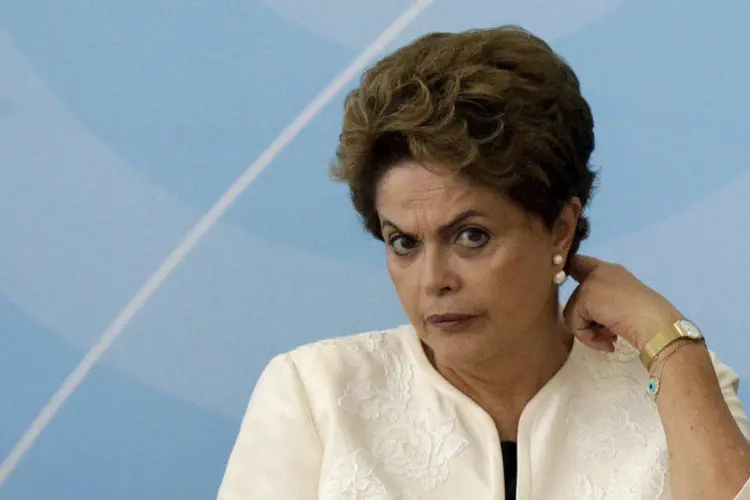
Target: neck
(504,385)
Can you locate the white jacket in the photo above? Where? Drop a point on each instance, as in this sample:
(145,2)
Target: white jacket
(367,417)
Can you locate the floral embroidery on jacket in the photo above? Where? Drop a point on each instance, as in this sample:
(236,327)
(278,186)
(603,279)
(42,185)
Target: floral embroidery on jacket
(619,438)
(370,401)
(352,478)
(584,489)
(617,364)
(415,444)
(419,447)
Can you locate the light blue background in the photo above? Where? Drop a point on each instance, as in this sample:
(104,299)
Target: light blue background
(121,123)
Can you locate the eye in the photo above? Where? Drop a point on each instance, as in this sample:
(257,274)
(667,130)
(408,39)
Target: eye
(402,245)
(473,238)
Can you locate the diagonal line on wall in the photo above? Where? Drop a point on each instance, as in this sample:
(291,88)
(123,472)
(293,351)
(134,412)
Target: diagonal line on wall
(201,228)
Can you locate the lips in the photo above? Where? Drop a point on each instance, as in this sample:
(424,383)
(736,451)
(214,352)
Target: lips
(449,319)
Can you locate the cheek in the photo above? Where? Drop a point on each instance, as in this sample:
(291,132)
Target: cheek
(406,284)
(513,281)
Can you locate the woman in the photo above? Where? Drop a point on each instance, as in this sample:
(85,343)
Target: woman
(467,154)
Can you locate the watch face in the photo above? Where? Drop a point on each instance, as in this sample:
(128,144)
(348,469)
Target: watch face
(690,329)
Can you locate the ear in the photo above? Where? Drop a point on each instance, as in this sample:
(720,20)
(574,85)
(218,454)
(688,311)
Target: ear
(564,229)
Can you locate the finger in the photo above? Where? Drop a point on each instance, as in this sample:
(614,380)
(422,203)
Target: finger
(571,303)
(574,312)
(584,327)
(606,332)
(605,345)
(581,266)
(595,340)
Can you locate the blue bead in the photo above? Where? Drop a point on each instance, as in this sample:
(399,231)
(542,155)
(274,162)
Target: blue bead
(653,386)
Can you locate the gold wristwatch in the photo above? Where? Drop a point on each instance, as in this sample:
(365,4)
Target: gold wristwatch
(680,329)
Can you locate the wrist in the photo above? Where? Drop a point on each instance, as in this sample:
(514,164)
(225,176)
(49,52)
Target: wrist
(674,352)
(678,330)
(655,325)
(657,366)
(680,360)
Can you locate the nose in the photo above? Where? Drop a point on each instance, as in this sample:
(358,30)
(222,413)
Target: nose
(438,277)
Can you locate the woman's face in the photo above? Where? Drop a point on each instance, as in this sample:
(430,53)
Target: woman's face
(472,270)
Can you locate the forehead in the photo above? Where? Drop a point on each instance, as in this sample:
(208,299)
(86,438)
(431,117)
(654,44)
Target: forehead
(408,190)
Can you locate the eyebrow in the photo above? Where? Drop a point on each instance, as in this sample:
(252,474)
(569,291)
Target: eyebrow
(457,220)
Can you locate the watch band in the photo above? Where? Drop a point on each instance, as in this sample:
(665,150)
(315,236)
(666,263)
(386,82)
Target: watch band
(661,340)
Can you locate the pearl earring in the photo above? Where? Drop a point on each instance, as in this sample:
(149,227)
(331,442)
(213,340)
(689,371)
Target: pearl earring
(560,276)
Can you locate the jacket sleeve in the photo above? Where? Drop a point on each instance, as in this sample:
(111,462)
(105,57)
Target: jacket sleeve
(277,454)
(730,384)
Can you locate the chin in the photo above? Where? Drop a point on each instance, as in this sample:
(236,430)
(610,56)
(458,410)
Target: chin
(454,347)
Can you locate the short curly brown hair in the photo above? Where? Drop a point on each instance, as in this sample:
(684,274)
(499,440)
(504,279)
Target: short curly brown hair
(497,106)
